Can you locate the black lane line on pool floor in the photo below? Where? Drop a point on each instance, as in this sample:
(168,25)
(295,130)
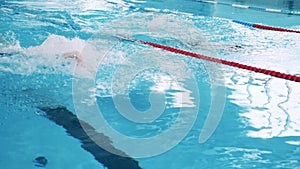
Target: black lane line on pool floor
(63,117)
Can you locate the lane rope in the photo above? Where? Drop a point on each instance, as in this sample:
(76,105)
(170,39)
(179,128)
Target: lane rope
(216,60)
(214,2)
(167,11)
(254,25)
(290,12)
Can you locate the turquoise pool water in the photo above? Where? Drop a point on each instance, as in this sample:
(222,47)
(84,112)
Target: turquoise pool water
(260,122)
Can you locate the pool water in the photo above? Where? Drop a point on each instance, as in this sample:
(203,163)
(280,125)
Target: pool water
(255,116)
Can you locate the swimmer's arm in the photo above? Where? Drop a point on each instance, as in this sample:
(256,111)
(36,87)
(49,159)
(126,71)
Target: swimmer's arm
(75,54)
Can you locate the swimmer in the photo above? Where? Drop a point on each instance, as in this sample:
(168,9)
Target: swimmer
(218,46)
(85,67)
(3,54)
(75,54)
(40,161)
(236,48)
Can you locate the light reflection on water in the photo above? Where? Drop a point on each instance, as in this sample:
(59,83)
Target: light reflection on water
(272,105)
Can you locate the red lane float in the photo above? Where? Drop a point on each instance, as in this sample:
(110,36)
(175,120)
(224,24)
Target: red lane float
(274,28)
(254,25)
(216,60)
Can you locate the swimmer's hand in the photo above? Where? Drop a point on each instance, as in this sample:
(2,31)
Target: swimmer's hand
(84,69)
(75,54)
